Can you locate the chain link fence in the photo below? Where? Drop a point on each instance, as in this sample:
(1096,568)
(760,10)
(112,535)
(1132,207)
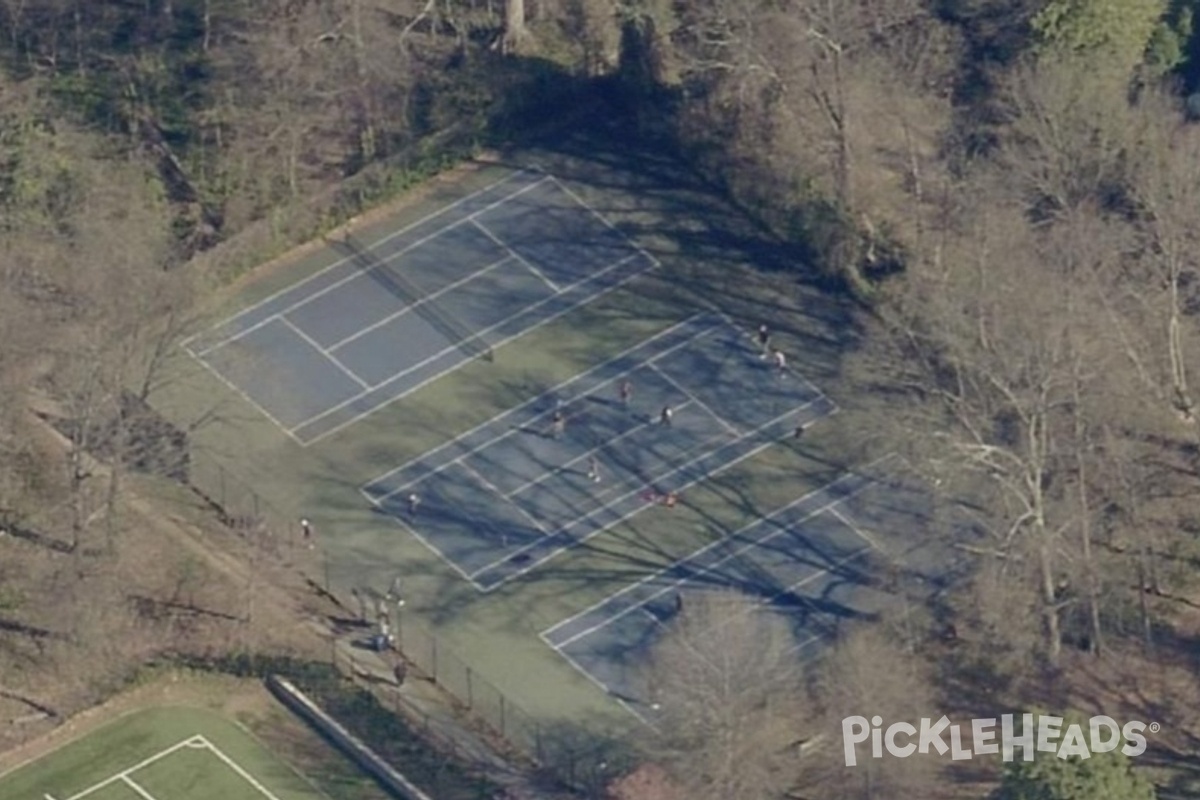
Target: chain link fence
(428,654)
(241,508)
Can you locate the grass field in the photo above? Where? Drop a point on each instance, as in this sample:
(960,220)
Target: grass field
(171,753)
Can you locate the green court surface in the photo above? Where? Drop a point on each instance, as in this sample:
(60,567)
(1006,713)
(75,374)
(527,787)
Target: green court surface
(160,754)
(293,450)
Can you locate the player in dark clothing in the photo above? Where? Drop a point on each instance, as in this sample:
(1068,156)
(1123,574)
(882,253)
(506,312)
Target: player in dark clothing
(764,341)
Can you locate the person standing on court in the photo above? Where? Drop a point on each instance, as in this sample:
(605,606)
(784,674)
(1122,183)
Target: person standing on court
(764,341)
(594,469)
(780,361)
(625,391)
(558,425)
(306,531)
(665,416)
(414,501)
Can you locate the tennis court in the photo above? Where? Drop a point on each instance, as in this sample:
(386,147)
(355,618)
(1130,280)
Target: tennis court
(390,317)
(513,493)
(816,561)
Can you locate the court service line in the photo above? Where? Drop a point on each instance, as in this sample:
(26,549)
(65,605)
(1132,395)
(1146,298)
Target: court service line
(549,474)
(240,392)
(120,776)
(359,272)
(424,301)
(534,403)
(729,427)
(317,346)
(513,430)
(491,487)
(525,331)
(634,492)
(229,762)
(770,518)
(488,233)
(290,287)
(477,335)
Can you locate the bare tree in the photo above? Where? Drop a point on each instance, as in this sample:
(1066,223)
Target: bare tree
(728,683)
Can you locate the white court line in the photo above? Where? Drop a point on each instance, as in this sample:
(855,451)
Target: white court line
(428,298)
(431,547)
(477,335)
(236,768)
(578,199)
(317,346)
(531,404)
(642,606)
(549,474)
(697,401)
(130,783)
(290,287)
(639,509)
(496,490)
(604,687)
(487,232)
(120,776)
(739,532)
(852,525)
(690,580)
(240,392)
(358,273)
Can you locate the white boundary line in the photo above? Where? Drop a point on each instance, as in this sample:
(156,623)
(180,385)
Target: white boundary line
(389,237)
(772,517)
(514,254)
(729,427)
(761,604)
(491,487)
(616,501)
(639,509)
(550,474)
(240,392)
(136,788)
(854,526)
(428,298)
(317,346)
(360,273)
(250,779)
(120,776)
(716,565)
(530,404)
(477,335)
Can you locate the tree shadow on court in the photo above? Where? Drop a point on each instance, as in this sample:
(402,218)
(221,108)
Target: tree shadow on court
(687,221)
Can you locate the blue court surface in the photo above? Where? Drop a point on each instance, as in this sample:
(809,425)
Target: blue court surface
(390,317)
(812,561)
(507,496)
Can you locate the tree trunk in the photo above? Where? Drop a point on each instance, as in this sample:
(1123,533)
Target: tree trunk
(515,31)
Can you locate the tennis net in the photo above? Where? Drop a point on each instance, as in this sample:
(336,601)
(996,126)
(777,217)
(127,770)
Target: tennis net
(398,285)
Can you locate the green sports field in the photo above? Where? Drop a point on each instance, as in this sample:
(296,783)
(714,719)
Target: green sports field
(160,754)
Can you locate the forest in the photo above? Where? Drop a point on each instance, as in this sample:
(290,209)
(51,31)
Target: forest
(1005,192)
